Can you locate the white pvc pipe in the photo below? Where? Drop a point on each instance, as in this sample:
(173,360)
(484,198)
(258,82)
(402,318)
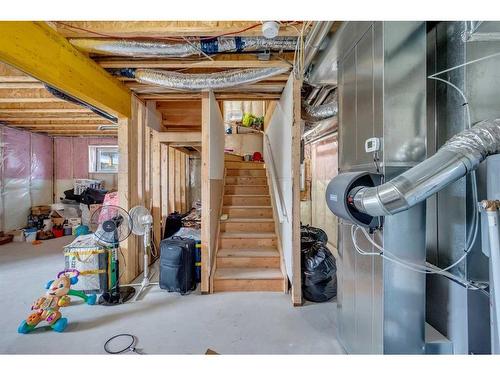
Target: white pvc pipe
(495,272)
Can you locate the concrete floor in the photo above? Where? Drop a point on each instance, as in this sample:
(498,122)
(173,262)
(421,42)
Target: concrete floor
(165,323)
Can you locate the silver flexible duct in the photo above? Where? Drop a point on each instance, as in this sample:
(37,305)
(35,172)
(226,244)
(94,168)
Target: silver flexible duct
(191,82)
(320,112)
(460,155)
(135,48)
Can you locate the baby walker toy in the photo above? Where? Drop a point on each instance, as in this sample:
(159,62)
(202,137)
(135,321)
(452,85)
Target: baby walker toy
(57,296)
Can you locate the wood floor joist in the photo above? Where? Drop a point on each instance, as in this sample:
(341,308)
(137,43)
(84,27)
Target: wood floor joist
(162,29)
(40,51)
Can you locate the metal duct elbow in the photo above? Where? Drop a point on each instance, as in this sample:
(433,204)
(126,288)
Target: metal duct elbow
(137,48)
(320,112)
(314,40)
(193,82)
(460,155)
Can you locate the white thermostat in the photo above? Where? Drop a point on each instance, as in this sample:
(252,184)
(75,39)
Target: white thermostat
(372,144)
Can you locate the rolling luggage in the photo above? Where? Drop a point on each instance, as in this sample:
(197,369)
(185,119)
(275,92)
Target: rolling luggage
(177,265)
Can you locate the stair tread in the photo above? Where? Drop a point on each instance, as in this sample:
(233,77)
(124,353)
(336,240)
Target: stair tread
(247,185)
(249,252)
(248,273)
(247,220)
(248,195)
(248,235)
(244,207)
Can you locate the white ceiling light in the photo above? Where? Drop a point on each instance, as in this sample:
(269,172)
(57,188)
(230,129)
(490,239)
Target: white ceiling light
(270,29)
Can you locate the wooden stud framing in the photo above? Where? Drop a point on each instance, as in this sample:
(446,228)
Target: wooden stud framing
(205,194)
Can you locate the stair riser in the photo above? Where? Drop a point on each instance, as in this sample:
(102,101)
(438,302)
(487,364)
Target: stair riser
(246,227)
(240,165)
(256,213)
(247,201)
(243,262)
(233,180)
(238,243)
(252,190)
(273,285)
(246,172)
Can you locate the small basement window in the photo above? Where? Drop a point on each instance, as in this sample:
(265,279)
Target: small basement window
(103,159)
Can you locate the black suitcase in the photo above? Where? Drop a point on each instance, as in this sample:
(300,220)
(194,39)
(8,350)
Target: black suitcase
(177,265)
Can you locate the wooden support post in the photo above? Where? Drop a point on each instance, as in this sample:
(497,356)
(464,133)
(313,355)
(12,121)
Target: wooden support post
(171,180)
(156,187)
(43,53)
(164,183)
(205,193)
(296,256)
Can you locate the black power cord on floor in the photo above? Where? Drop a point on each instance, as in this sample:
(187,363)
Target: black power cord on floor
(128,348)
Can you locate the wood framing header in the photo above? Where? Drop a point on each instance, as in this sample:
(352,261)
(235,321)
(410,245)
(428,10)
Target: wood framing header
(38,50)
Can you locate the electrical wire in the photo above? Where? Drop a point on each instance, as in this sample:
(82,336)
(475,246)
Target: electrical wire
(425,269)
(127,348)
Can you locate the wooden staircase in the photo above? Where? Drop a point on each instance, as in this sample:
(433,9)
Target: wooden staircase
(248,257)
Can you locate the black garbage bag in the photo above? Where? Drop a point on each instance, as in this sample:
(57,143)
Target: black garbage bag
(316,234)
(319,273)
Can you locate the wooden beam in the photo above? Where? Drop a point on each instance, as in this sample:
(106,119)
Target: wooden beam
(57,119)
(31,100)
(156,188)
(205,193)
(218,96)
(177,137)
(38,50)
(263,87)
(17,79)
(187,64)
(162,29)
(296,253)
(20,85)
(44,110)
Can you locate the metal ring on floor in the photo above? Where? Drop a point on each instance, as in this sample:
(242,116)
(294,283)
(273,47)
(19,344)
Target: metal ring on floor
(129,348)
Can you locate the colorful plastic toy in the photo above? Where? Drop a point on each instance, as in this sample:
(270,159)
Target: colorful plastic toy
(57,296)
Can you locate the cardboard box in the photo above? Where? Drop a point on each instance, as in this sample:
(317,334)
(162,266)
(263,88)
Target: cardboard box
(40,210)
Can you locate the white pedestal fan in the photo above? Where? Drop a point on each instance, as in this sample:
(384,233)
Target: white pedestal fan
(142,222)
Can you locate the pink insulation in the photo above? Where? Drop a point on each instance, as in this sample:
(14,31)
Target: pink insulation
(326,164)
(80,158)
(72,155)
(16,153)
(63,161)
(41,157)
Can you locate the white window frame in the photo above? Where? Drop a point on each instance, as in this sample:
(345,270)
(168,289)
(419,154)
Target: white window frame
(94,152)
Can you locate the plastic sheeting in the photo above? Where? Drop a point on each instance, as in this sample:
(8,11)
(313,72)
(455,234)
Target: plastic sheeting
(26,175)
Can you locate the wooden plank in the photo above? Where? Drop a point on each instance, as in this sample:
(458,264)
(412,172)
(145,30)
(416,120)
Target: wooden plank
(261,87)
(269,113)
(219,96)
(186,64)
(38,50)
(56,119)
(182,181)
(178,166)
(162,29)
(17,111)
(156,187)
(205,194)
(31,100)
(164,178)
(296,254)
(179,137)
(171,180)
(21,85)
